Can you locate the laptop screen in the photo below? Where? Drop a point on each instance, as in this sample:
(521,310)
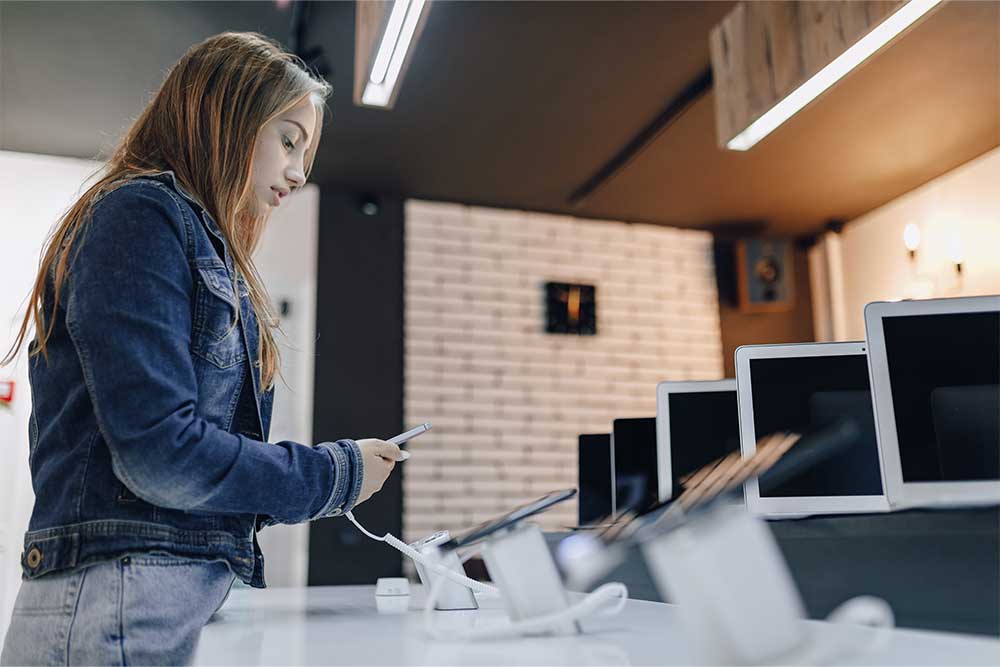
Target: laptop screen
(636,478)
(704,427)
(806,394)
(944,371)
(595,478)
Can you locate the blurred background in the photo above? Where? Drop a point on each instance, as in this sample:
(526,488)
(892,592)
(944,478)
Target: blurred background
(540,222)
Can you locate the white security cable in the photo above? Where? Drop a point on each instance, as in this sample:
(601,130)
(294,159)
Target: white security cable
(589,605)
(863,610)
(393,541)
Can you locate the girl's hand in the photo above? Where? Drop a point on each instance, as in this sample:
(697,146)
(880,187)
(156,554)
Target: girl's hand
(378,458)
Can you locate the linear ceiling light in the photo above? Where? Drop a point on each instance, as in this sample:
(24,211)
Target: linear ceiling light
(829,75)
(392,51)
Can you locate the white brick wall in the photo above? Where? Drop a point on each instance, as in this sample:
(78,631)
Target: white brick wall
(508,400)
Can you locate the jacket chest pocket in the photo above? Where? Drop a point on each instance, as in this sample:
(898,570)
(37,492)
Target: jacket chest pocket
(216,335)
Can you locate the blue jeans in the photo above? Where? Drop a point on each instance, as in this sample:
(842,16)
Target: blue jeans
(139,610)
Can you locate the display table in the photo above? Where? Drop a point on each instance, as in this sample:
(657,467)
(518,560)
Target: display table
(344,625)
(939,570)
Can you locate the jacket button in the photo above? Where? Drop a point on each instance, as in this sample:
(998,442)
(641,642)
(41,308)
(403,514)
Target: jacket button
(34,557)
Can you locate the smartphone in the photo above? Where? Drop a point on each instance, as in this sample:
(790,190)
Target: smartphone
(409,435)
(403,438)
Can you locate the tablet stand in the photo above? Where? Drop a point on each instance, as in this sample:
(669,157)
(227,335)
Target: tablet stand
(736,598)
(451,595)
(520,564)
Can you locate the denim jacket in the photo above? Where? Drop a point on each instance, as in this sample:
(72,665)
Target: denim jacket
(148,427)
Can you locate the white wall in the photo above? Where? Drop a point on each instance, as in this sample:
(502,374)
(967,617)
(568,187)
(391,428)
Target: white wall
(36,191)
(286,260)
(964,202)
(507,400)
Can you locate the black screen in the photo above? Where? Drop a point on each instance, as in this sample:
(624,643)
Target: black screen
(944,371)
(704,427)
(807,394)
(636,480)
(594,501)
(509,519)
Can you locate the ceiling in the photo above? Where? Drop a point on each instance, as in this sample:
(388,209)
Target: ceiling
(518,104)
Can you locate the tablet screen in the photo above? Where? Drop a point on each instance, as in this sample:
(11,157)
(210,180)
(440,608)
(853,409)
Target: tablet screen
(595,480)
(704,427)
(507,520)
(944,371)
(807,394)
(636,478)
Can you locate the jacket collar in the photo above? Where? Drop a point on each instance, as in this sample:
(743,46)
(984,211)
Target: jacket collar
(168,176)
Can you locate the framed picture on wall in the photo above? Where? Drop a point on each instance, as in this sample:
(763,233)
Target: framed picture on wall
(570,309)
(765,275)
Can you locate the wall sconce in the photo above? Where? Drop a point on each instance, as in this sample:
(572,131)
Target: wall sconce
(911,238)
(956,251)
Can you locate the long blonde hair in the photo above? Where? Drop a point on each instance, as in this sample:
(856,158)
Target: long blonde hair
(202,124)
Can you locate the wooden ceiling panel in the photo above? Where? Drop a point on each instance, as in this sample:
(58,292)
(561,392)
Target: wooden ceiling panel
(924,105)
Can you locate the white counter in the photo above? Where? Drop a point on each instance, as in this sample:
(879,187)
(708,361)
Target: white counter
(342,625)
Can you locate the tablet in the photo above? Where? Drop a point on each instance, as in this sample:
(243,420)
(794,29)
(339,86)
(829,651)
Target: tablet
(636,465)
(935,373)
(595,478)
(696,423)
(804,388)
(507,520)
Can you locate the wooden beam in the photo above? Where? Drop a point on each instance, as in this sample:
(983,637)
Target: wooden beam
(647,135)
(764,50)
(370,18)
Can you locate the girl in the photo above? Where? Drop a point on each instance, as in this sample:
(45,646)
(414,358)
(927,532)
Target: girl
(152,373)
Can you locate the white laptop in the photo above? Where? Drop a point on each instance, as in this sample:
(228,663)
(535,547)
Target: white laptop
(696,423)
(803,388)
(935,374)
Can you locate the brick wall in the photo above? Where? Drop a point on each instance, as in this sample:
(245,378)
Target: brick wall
(508,400)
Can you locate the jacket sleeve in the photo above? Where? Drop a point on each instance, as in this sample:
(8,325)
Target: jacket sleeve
(129,313)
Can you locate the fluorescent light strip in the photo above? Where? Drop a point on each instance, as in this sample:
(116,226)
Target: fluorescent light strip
(378,94)
(389,39)
(830,74)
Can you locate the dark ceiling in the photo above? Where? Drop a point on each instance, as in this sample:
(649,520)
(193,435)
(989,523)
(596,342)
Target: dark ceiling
(518,104)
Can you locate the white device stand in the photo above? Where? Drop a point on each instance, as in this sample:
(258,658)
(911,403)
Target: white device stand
(737,600)
(520,564)
(450,595)
(547,613)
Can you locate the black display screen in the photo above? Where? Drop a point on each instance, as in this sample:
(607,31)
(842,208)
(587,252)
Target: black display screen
(636,478)
(704,427)
(944,371)
(595,478)
(808,394)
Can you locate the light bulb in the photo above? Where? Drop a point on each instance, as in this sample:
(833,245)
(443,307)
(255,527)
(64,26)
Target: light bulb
(911,237)
(956,250)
